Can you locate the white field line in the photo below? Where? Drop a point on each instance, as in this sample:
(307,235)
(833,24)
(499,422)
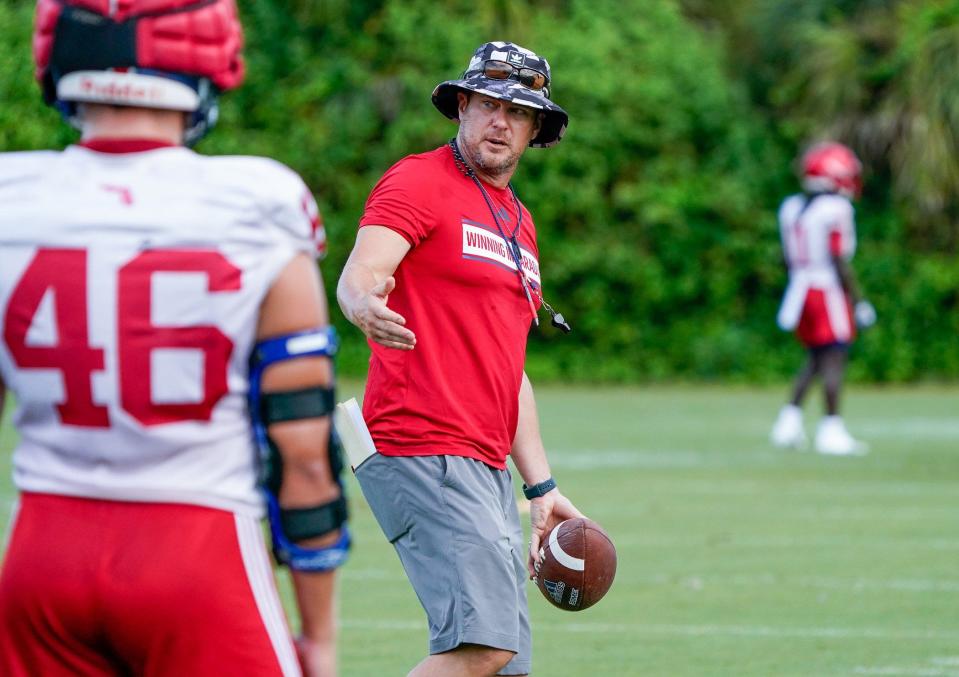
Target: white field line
(834,490)
(896,671)
(918,428)
(944,544)
(604,459)
(895,584)
(679,630)
(644,458)
(909,429)
(909,585)
(818,582)
(886,513)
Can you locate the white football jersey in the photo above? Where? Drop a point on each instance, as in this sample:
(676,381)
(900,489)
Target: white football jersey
(130,286)
(811,235)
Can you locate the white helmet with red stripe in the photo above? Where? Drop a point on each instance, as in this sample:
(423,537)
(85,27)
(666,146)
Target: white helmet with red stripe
(166,54)
(831,167)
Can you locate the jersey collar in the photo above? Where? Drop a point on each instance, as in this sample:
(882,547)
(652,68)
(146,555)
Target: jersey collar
(107,145)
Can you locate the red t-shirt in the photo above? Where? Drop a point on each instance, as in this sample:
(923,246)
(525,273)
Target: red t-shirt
(456,393)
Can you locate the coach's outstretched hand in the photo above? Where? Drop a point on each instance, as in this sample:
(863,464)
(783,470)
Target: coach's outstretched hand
(381,324)
(545,513)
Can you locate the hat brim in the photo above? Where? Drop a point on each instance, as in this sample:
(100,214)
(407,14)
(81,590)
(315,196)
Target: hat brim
(555,119)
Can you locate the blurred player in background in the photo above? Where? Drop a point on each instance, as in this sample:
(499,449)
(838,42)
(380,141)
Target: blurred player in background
(145,292)
(822,302)
(444,281)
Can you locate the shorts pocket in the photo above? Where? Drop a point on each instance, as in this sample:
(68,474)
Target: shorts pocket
(448,470)
(488,589)
(377,480)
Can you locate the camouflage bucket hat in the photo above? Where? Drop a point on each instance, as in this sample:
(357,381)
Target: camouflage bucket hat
(506,71)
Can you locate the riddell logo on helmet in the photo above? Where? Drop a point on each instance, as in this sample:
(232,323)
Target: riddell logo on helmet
(113,91)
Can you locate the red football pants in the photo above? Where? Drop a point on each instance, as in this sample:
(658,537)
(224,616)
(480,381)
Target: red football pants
(820,327)
(95,587)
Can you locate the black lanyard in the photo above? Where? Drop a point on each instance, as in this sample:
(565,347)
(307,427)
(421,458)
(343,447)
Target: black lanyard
(512,244)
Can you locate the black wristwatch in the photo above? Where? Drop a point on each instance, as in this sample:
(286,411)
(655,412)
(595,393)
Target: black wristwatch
(540,489)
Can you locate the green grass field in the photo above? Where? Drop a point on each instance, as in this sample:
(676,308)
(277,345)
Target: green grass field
(734,558)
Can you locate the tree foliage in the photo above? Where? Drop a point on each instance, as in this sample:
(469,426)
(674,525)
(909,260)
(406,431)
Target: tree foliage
(881,76)
(657,212)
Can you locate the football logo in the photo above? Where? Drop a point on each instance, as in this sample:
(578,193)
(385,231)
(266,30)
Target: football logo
(555,590)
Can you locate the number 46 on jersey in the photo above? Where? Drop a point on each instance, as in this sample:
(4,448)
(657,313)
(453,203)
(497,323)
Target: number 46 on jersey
(54,292)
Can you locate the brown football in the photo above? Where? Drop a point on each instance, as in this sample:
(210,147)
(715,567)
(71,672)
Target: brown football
(577,564)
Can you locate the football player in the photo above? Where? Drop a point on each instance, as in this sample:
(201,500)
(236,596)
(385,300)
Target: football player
(822,302)
(166,339)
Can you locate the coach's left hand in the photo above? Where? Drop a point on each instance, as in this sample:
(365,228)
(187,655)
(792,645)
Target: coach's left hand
(545,513)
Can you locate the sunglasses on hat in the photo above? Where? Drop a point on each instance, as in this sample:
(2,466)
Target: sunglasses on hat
(528,77)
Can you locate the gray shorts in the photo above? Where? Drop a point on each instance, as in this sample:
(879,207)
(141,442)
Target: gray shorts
(454,524)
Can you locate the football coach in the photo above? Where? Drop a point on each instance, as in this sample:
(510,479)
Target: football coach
(444,280)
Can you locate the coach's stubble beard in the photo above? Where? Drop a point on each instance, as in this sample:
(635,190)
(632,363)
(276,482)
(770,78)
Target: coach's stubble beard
(491,165)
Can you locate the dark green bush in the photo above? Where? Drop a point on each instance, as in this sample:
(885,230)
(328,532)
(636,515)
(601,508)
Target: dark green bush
(656,214)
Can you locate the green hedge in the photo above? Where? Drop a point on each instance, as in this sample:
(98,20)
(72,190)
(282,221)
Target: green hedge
(656,213)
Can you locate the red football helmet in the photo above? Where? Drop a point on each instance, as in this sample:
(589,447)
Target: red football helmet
(831,167)
(168,54)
